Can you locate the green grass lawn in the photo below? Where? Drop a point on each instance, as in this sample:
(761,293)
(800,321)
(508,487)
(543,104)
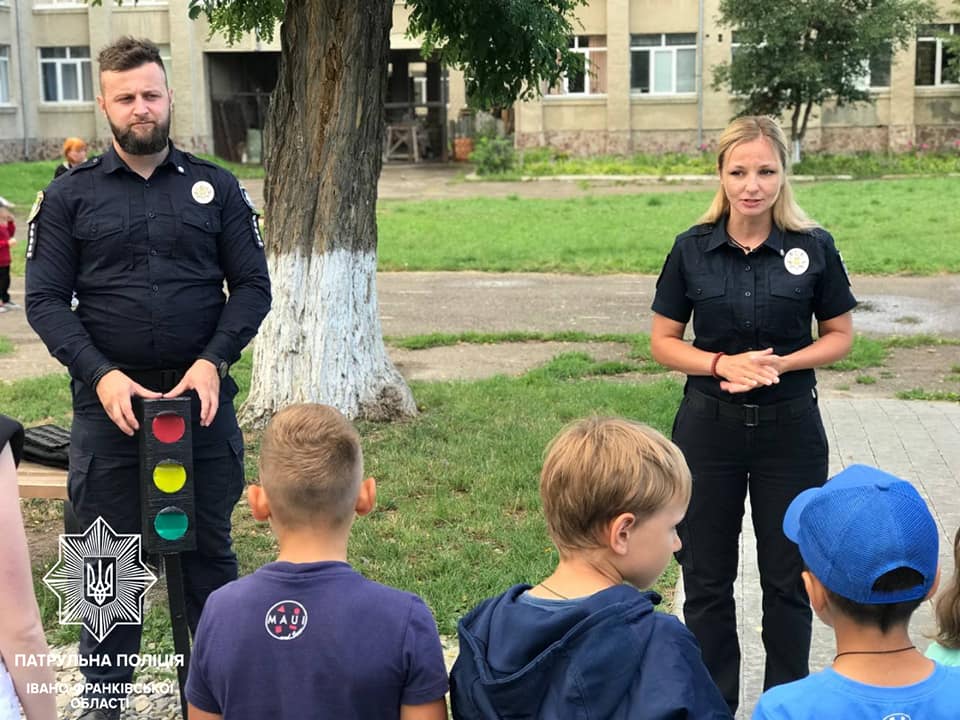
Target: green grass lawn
(458,513)
(881,227)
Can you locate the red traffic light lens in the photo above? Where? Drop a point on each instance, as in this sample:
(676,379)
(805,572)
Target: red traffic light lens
(168,427)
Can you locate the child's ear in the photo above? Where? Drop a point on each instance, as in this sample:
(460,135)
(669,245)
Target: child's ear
(818,596)
(618,532)
(367,499)
(259,504)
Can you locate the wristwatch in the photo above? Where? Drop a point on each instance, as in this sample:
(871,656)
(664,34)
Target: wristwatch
(220,364)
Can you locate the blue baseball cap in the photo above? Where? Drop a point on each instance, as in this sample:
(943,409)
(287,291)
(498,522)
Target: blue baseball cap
(861,525)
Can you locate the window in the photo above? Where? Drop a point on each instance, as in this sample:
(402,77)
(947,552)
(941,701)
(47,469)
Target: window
(65,74)
(663,64)
(4,73)
(936,61)
(593,80)
(876,70)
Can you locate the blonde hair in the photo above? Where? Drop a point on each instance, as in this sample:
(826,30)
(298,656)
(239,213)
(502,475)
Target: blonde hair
(787,214)
(598,468)
(73,143)
(948,605)
(311,466)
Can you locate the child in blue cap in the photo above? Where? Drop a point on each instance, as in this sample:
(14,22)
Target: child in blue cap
(870,546)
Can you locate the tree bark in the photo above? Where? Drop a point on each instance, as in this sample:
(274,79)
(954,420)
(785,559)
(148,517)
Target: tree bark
(322,341)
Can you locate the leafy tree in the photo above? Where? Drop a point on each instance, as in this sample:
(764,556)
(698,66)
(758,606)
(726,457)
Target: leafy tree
(323,137)
(798,55)
(952,46)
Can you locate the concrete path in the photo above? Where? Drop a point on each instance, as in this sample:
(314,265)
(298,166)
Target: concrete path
(918,441)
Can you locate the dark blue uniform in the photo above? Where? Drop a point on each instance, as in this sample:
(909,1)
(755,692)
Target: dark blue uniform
(769,441)
(148,260)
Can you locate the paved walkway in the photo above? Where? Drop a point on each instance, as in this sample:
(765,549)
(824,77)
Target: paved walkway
(918,441)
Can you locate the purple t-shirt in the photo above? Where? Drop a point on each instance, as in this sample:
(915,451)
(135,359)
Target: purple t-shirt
(314,640)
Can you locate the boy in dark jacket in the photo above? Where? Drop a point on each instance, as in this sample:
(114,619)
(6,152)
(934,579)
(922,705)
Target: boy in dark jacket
(581,643)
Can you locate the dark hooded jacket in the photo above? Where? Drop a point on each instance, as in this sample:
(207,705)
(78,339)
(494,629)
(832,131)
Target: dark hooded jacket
(609,657)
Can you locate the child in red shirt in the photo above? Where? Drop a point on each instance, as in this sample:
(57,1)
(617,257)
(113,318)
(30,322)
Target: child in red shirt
(7,230)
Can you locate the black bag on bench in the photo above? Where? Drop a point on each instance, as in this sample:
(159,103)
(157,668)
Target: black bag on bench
(47,445)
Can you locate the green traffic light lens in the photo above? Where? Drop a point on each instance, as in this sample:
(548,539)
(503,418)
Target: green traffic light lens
(169,476)
(171,523)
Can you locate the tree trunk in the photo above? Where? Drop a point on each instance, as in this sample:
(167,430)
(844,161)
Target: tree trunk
(322,340)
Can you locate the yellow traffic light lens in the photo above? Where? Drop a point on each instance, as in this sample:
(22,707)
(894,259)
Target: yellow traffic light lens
(171,523)
(169,476)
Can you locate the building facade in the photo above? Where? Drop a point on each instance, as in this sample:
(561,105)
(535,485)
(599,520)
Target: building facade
(48,77)
(649,87)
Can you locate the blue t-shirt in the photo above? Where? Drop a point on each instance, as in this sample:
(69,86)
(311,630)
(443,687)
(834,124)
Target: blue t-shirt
(827,694)
(314,640)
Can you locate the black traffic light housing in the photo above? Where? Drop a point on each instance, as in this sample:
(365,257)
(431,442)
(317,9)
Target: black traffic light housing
(167,509)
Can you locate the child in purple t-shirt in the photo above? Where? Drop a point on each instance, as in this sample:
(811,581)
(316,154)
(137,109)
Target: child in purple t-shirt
(307,636)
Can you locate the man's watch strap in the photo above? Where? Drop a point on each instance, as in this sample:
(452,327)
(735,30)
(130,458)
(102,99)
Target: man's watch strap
(222,366)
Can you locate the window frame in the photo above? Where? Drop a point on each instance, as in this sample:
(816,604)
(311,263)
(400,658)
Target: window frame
(586,51)
(936,37)
(651,50)
(5,94)
(81,63)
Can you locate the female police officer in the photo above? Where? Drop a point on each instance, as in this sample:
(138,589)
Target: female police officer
(753,273)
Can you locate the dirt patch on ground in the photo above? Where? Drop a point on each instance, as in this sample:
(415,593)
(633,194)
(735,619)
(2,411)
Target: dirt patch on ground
(928,368)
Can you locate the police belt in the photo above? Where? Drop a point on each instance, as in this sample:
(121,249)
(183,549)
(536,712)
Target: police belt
(159,379)
(750,415)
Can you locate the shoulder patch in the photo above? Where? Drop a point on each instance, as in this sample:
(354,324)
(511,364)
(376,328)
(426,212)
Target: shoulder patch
(246,197)
(843,266)
(32,226)
(36,207)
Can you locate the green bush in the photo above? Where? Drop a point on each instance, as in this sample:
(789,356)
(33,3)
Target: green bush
(493,155)
(869,164)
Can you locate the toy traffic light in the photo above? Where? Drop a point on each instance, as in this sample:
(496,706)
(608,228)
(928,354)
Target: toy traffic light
(166,475)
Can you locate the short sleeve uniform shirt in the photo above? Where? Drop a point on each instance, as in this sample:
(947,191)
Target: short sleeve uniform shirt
(741,302)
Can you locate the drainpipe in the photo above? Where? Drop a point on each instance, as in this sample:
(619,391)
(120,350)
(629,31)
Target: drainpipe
(23,85)
(700,74)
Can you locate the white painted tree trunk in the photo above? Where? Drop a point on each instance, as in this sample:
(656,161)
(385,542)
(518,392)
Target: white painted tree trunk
(796,150)
(323,137)
(346,364)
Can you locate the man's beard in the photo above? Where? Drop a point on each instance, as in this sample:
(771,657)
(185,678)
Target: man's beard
(135,144)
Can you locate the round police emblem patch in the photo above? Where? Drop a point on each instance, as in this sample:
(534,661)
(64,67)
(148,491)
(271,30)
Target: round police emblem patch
(202,192)
(796,261)
(286,620)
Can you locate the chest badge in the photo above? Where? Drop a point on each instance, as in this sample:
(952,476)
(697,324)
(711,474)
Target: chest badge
(202,192)
(796,261)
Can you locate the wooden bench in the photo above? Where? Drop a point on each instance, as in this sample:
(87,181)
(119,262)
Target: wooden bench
(40,481)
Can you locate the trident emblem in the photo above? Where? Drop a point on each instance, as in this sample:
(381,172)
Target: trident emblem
(98,581)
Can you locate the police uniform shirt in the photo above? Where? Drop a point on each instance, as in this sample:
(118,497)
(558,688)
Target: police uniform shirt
(148,259)
(743,302)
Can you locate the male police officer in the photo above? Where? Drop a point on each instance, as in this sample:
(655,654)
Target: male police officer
(146,235)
